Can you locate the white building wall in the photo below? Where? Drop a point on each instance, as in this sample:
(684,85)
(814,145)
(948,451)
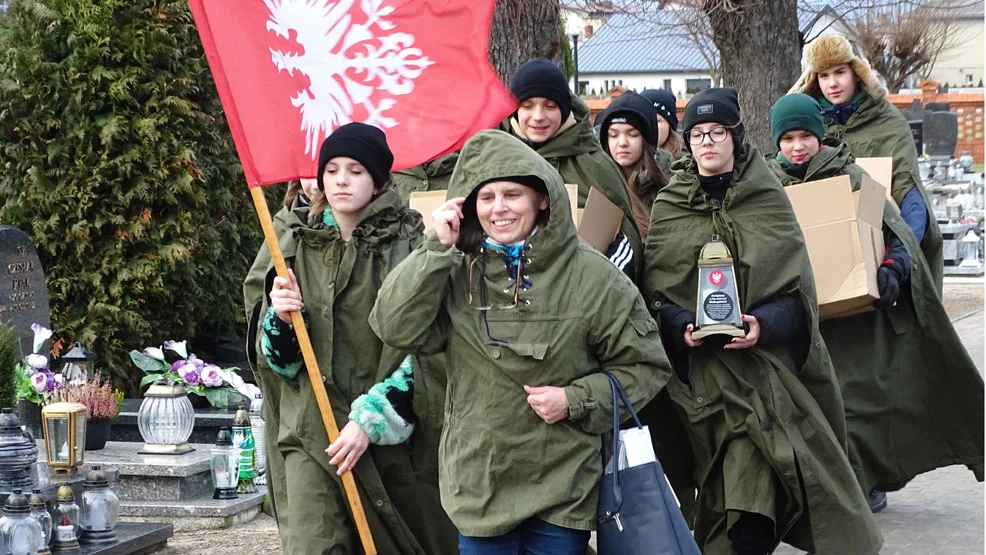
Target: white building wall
(964,59)
(602,82)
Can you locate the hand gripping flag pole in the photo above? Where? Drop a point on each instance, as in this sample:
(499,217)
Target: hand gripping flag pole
(288,72)
(314,376)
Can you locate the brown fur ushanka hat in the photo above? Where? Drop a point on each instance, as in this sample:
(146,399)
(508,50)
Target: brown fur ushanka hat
(832,50)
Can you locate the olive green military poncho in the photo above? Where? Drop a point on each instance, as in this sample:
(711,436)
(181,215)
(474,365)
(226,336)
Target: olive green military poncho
(270,385)
(434,177)
(580,160)
(766,423)
(339,283)
(500,463)
(878,129)
(913,397)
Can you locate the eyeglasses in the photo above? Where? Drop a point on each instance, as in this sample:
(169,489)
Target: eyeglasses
(716,134)
(484,303)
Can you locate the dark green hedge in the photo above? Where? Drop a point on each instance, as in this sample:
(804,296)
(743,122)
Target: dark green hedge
(116,159)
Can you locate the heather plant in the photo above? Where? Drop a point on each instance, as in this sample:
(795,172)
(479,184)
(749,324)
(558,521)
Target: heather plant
(101,400)
(116,160)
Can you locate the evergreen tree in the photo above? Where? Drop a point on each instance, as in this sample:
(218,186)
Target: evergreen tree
(9,355)
(116,159)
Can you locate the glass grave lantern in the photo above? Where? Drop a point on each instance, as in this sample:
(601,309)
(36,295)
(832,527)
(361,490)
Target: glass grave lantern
(22,534)
(66,520)
(225,466)
(165,420)
(100,508)
(65,435)
(39,512)
(75,365)
(18,452)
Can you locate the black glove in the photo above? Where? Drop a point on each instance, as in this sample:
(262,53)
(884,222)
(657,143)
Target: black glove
(620,253)
(674,322)
(892,274)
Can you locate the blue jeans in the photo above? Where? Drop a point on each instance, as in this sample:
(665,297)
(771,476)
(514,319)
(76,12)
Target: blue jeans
(533,537)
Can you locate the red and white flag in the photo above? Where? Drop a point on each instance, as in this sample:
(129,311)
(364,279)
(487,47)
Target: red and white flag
(290,71)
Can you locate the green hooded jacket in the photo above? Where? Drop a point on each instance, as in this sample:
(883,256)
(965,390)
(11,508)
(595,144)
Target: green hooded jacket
(877,129)
(397,484)
(580,159)
(898,426)
(664,160)
(766,424)
(500,463)
(433,178)
(268,382)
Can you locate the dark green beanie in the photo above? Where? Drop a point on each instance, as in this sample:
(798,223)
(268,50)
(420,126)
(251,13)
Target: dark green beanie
(796,112)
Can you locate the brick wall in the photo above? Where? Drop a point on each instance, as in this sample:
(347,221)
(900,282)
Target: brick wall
(967,106)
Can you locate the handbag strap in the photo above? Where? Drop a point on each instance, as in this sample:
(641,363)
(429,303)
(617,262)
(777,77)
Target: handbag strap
(619,394)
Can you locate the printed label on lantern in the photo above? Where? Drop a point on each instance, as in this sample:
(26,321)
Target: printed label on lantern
(718,306)
(65,533)
(717,278)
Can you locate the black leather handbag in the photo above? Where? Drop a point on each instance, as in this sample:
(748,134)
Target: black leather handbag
(638,513)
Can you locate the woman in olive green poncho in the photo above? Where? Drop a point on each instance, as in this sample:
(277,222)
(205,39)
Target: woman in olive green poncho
(356,232)
(897,425)
(527,318)
(555,123)
(763,412)
(856,112)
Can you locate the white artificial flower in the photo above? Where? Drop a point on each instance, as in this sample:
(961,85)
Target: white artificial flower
(155,353)
(37,361)
(41,334)
(178,347)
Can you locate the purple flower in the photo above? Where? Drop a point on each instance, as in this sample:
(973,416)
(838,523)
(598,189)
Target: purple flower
(191,378)
(37,361)
(211,376)
(185,368)
(178,364)
(59,381)
(40,382)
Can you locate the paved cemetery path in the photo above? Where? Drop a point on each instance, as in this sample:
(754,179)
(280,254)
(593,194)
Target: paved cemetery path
(938,513)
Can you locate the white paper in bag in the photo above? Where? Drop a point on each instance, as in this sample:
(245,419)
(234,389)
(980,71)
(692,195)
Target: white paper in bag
(636,449)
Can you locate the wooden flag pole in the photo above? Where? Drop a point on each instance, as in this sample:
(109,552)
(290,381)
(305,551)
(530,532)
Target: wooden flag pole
(314,376)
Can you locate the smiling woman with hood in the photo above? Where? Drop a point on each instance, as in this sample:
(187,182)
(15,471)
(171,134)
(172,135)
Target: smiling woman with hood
(528,319)
(763,412)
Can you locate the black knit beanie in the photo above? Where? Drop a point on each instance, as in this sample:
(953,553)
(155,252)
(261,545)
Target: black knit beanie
(718,105)
(633,109)
(541,77)
(361,142)
(666,104)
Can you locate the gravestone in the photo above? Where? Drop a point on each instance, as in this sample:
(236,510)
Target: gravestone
(941,134)
(917,133)
(915,112)
(938,106)
(23,292)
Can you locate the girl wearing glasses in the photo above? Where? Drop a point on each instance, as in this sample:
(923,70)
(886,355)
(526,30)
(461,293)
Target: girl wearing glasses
(356,231)
(527,319)
(762,411)
(629,134)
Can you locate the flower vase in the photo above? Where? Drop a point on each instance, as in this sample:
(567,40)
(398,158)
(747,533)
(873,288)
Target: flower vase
(97,433)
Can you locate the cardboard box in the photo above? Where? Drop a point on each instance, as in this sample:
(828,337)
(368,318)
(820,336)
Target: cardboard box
(881,170)
(597,230)
(844,234)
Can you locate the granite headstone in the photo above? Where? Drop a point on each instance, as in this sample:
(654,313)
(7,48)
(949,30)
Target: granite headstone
(938,106)
(941,133)
(23,293)
(917,133)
